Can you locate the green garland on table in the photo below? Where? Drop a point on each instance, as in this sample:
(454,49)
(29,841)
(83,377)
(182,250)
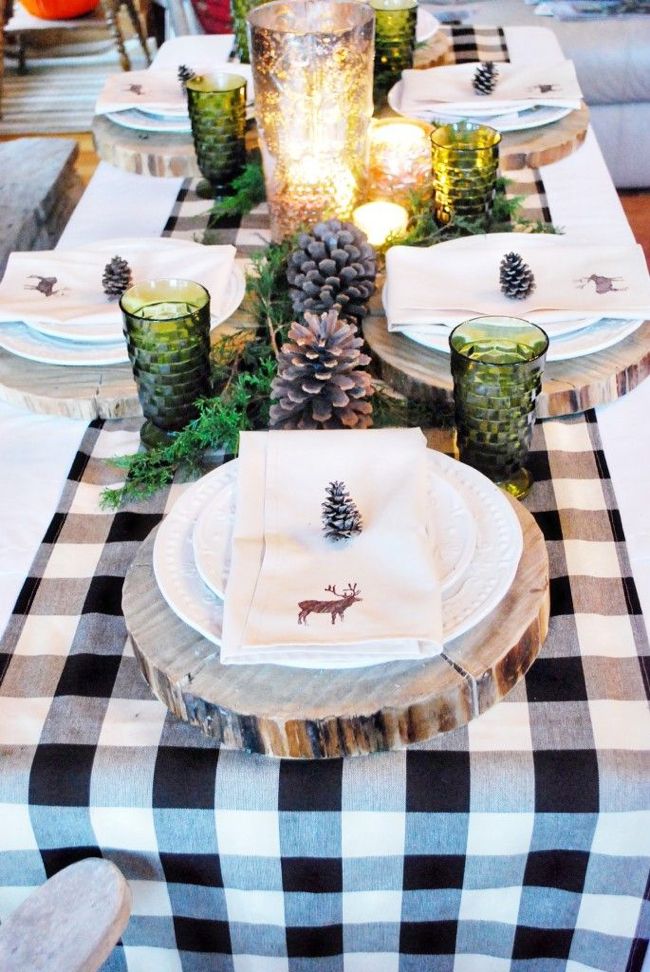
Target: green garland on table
(244,363)
(248,192)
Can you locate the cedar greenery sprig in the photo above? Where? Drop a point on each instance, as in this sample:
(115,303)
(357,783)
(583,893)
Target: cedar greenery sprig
(248,192)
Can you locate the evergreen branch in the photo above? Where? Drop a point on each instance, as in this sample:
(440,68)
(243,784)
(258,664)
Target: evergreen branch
(248,192)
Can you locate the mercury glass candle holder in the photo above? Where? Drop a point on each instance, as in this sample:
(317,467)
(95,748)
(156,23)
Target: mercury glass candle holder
(166,324)
(312,71)
(465,159)
(497,365)
(394,43)
(217,108)
(400,159)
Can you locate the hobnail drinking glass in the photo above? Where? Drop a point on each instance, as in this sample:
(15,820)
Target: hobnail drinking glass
(465,159)
(217,108)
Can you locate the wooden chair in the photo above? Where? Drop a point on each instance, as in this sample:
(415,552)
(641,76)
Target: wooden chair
(71,923)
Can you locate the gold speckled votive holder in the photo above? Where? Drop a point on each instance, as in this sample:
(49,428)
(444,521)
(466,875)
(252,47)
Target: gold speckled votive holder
(217,108)
(497,365)
(167,329)
(465,160)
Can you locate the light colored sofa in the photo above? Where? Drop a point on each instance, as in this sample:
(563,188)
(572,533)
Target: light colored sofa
(612,59)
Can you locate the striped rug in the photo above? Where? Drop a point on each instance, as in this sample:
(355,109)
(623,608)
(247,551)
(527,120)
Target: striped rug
(58,95)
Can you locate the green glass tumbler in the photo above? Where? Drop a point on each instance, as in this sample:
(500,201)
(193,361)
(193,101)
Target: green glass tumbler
(217,108)
(395,23)
(497,365)
(166,324)
(239,11)
(465,160)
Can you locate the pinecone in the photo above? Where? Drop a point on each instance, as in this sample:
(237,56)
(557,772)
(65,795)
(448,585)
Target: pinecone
(319,384)
(184,74)
(333,268)
(341,518)
(516,277)
(485,78)
(116,278)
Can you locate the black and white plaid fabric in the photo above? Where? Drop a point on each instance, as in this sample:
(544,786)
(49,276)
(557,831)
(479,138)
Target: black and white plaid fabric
(475,44)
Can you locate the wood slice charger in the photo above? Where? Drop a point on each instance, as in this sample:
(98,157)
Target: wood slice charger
(317,714)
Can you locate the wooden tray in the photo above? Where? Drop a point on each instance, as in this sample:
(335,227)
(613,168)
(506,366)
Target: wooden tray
(569,386)
(308,714)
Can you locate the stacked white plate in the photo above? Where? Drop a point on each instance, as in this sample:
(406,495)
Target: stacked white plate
(94,344)
(477,545)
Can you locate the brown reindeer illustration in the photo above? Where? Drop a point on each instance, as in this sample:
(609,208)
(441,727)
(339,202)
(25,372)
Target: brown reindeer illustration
(335,608)
(135,89)
(604,285)
(45,285)
(544,88)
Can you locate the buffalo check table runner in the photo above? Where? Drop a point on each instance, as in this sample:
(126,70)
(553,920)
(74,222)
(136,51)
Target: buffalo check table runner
(521,841)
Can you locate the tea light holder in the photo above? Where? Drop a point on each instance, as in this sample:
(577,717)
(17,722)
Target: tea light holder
(497,365)
(380,220)
(217,108)
(465,160)
(166,324)
(312,70)
(400,159)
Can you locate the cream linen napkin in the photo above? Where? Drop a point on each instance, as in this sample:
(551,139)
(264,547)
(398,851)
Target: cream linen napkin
(281,558)
(450,89)
(66,285)
(451,282)
(159,90)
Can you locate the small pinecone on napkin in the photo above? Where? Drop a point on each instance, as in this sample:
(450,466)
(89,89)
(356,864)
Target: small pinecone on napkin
(319,384)
(341,518)
(185,74)
(516,277)
(334,267)
(485,78)
(116,278)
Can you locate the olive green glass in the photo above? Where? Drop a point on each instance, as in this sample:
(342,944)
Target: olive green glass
(395,22)
(465,159)
(217,108)
(497,365)
(166,324)
(239,11)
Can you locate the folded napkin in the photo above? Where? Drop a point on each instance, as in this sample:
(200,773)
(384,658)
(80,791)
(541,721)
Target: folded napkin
(193,49)
(158,89)
(449,89)
(373,598)
(66,285)
(451,282)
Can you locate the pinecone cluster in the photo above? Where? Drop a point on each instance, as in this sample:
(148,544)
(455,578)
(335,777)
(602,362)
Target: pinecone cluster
(185,73)
(341,518)
(334,268)
(516,277)
(117,277)
(320,384)
(485,78)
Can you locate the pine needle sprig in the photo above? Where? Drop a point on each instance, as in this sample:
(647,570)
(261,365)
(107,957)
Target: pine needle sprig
(248,192)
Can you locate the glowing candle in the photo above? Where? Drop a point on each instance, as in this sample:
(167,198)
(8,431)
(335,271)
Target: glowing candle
(379,220)
(400,158)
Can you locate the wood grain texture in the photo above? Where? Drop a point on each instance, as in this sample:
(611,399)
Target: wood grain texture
(540,146)
(568,387)
(316,714)
(164,154)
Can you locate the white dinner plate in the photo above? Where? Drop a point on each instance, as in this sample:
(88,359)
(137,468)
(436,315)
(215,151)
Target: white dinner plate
(595,336)
(106,332)
(455,536)
(511,122)
(26,343)
(140,121)
(488,578)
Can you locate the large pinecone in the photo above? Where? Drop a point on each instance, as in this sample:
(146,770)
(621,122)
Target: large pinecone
(334,267)
(340,516)
(485,78)
(319,384)
(116,278)
(516,277)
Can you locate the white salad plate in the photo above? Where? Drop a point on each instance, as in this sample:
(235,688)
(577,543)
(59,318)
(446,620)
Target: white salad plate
(485,582)
(453,528)
(140,121)
(514,121)
(22,341)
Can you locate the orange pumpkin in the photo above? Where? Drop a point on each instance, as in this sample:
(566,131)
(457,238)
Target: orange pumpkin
(59,9)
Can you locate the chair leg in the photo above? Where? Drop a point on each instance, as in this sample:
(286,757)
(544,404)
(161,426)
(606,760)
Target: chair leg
(110,10)
(137,23)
